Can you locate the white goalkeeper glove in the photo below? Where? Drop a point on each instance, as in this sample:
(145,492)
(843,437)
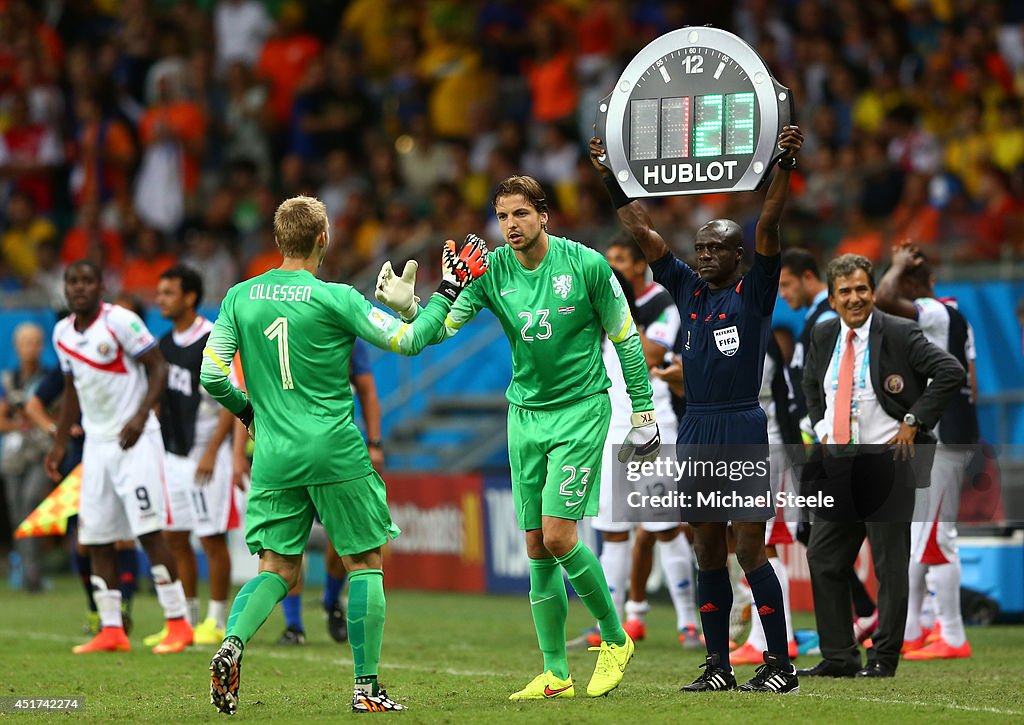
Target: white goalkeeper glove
(643,440)
(399,293)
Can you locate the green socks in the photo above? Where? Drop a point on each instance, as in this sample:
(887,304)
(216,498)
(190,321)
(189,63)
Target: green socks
(587,578)
(254,603)
(366,624)
(550,606)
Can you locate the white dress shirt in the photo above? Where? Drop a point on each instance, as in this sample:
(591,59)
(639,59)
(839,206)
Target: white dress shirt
(876,426)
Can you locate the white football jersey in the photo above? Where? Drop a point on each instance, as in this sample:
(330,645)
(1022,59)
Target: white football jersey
(664,327)
(660,324)
(622,406)
(933,319)
(111,383)
(767,401)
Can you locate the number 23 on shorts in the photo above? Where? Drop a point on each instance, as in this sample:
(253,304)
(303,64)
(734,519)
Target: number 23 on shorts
(567,490)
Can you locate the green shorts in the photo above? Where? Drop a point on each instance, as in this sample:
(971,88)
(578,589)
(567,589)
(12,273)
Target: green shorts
(354,513)
(555,457)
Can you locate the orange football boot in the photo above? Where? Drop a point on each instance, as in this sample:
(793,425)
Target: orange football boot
(110,639)
(747,654)
(940,650)
(636,629)
(179,636)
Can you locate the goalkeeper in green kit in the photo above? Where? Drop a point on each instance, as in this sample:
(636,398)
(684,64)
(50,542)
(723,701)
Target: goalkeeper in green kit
(294,335)
(554,298)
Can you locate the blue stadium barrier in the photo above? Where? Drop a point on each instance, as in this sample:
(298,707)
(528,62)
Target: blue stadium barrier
(992,565)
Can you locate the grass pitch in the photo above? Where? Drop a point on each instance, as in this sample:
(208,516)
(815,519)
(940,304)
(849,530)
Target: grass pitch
(455,659)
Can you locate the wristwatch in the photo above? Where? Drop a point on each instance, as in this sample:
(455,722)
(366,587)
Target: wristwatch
(374,443)
(911,420)
(788,163)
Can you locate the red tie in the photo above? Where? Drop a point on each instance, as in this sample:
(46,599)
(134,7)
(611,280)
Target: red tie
(844,394)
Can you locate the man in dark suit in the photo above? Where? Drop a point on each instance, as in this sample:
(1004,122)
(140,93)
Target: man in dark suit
(801,286)
(866,382)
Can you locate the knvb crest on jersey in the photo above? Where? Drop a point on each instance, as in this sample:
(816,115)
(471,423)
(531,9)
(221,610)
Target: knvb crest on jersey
(728,340)
(562,284)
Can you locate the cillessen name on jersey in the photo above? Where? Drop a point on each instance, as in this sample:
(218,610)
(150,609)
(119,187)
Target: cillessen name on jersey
(280,292)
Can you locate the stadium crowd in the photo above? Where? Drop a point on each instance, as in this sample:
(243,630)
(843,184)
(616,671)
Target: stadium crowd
(140,137)
(137,134)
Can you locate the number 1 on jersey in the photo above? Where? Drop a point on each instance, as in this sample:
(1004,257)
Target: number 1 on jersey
(278,330)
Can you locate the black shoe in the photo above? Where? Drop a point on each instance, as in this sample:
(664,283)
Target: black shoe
(226,669)
(828,668)
(877,669)
(714,679)
(293,636)
(337,624)
(361,702)
(126,618)
(773,677)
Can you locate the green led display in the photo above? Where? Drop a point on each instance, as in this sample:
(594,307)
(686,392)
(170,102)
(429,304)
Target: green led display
(707,127)
(739,123)
(723,124)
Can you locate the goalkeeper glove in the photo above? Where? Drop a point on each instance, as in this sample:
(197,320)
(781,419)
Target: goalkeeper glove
(247,416)
(399,293)
(458,270)
(643,440)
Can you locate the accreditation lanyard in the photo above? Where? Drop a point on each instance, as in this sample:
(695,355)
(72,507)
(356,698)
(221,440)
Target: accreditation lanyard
(859,385)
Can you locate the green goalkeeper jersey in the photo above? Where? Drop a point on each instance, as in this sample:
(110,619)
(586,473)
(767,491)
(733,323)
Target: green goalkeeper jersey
(294,334)
(553,317)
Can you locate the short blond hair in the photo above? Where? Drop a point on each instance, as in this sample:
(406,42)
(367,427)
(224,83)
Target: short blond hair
(297,223)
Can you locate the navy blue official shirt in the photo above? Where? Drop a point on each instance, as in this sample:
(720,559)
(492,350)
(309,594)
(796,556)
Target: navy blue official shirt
(725,339)
(360,361)
(50,388)
(724,331)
